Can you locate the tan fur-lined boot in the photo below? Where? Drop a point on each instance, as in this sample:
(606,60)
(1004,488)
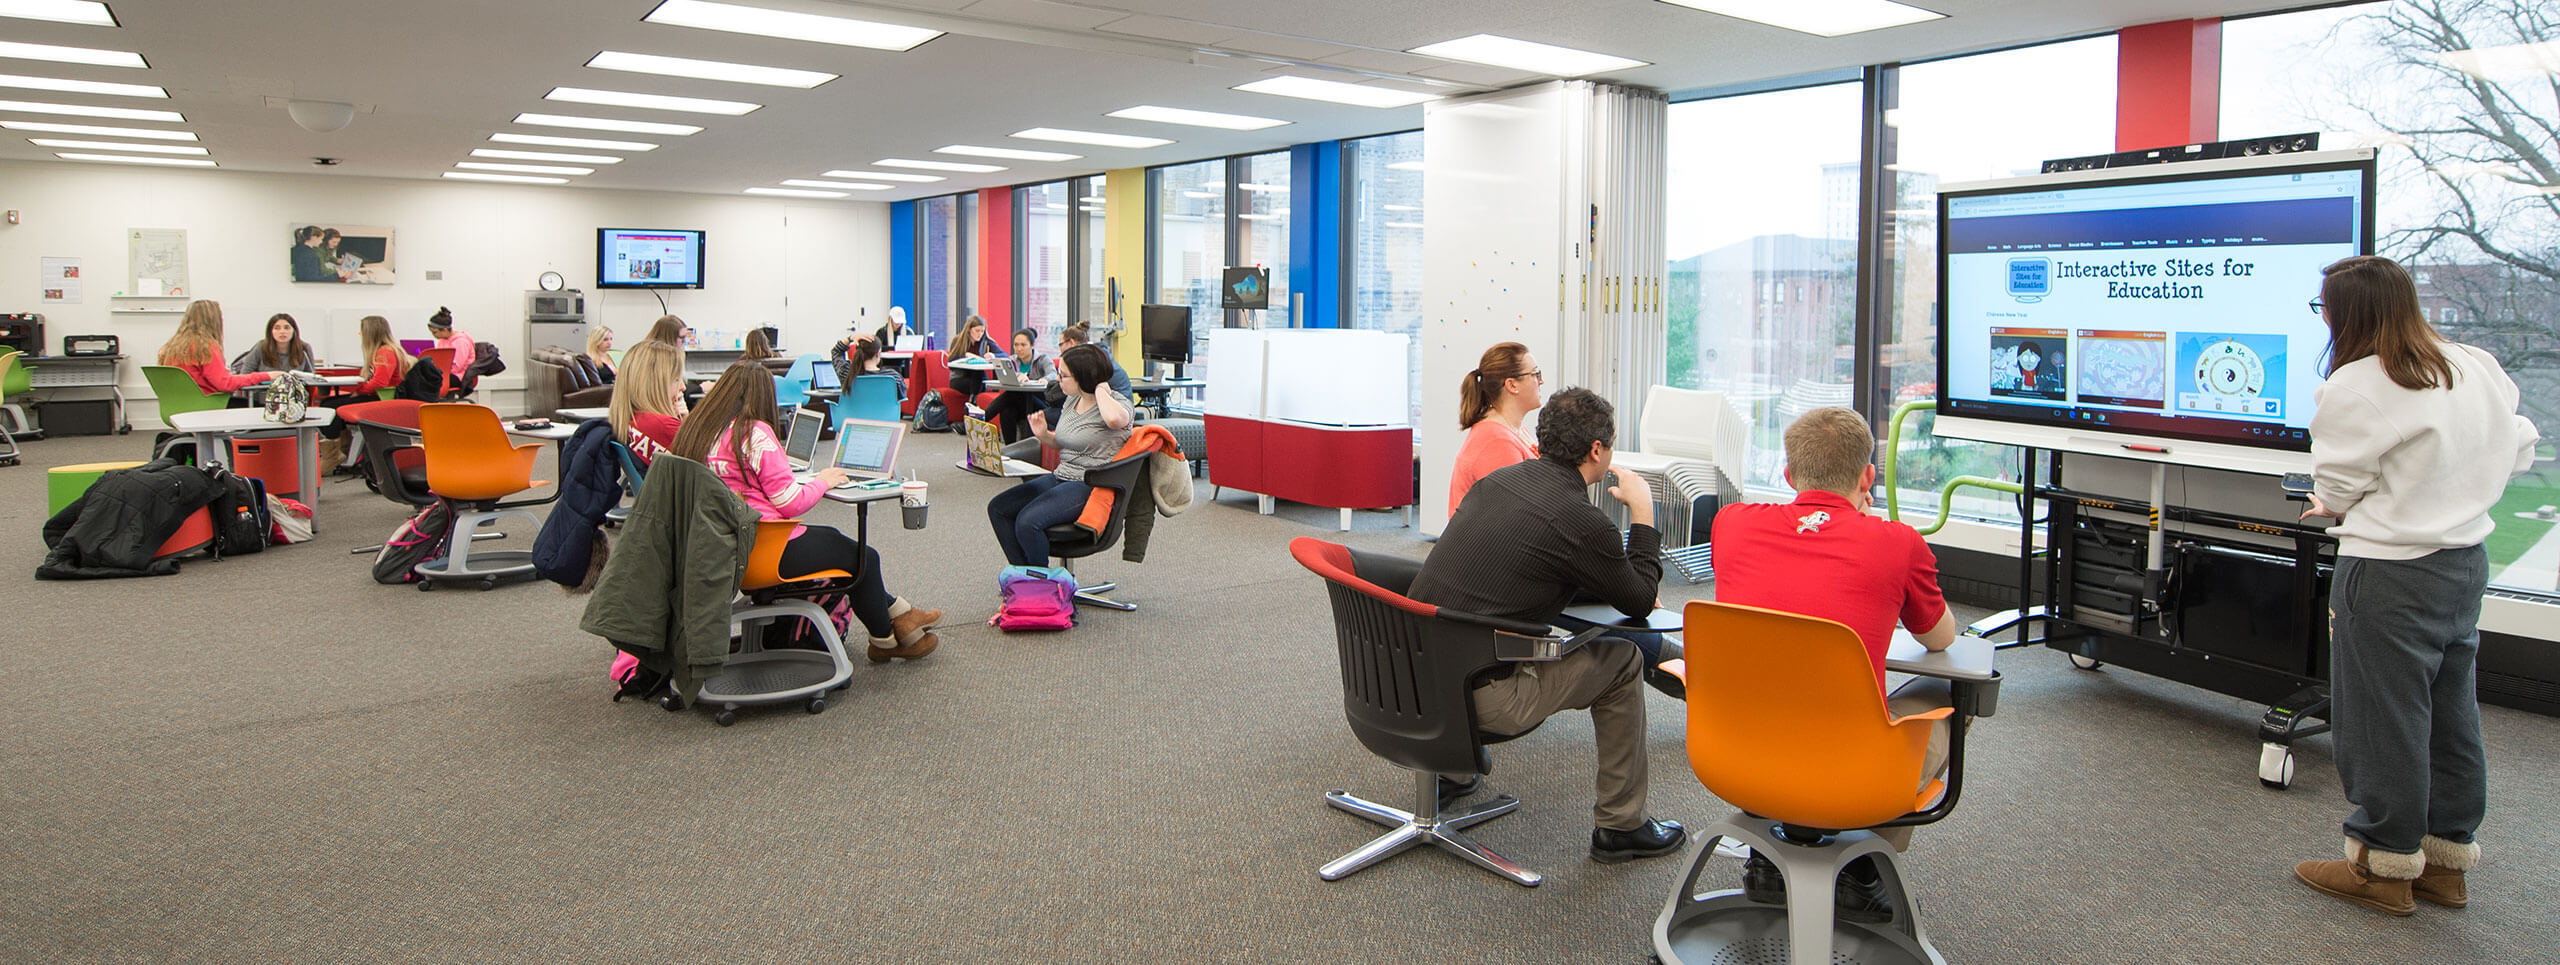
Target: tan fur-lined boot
(911,630)
(2442,882)
(2379,880)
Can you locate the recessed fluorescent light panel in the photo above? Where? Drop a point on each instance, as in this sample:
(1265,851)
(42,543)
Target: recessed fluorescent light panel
(1821,18)
(1095,138)
(898,162)
(842,31)
(546,140)
(1334,91)
(503,178)
(1016,154)
(1405,166)
(1528,55)
(93,130)
(521,168)
(709,70)
(545,156)
(1177,115)
(833,185)
(25,82)
(653,102)
(887,176)
(607,124)
(71,55)
(114,113)
(116,146)
(87,12)
(1250,186)
(795,193)
(1254,217)
(121,159)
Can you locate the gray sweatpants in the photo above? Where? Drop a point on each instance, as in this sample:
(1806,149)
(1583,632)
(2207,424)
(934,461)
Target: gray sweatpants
(2404,640)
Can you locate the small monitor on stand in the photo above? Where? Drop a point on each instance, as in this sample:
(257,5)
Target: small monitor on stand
(1164,334)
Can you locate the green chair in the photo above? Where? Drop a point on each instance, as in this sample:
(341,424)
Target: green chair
(13,380)
(177,392)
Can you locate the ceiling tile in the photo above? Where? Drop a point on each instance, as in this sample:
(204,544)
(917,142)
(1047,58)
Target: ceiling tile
(1168,28)
(1479,74)
(1393,63)
(1042,13)
(1291,47)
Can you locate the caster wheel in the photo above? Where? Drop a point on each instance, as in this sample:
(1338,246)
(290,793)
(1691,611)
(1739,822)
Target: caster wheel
(488,584)
(840,688)
(426,586)
(2275,766)
(725,718)
(124,430)
(2086,663)
(817,705)
(671,702)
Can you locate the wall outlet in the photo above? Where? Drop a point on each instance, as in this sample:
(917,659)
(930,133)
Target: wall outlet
(435,274)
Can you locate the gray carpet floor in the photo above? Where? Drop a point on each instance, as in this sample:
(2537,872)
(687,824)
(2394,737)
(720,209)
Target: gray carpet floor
(271,758)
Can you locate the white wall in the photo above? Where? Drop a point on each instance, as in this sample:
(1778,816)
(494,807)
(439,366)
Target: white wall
(805,267)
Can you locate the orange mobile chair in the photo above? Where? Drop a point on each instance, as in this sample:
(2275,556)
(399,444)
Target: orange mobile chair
(471,462)
(755,675)
(1786,722)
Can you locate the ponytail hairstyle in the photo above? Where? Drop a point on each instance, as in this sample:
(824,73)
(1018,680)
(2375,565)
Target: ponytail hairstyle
(1481,388)
(2371,306)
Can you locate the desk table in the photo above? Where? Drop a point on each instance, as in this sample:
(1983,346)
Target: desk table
(1162,391)
(862,499)
(211,426)
(257,393)
(80,372)
(584,414)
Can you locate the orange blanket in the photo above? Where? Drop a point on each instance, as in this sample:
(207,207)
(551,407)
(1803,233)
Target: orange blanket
(1144,438)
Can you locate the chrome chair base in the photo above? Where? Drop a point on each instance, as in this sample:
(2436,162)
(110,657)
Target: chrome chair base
(1430,825)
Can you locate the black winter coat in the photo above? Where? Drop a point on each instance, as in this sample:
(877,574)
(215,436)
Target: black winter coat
(590,487)
(114,528)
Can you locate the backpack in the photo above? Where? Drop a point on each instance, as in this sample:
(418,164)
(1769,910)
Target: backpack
(484,362)
(931,416)
(1035,598)
(420,538)
(424,383)
(239,511)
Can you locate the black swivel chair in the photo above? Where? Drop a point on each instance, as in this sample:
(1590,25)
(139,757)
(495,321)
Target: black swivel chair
(1069,542)
(1409,672)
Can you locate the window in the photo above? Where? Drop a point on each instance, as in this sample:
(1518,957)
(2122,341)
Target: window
(1942,135)
(967,303)
(1745,223)
(1092,289)
(2463,210)
(1044,214)
(1262,231)
(939,290)
(1384,177)
(1190,245)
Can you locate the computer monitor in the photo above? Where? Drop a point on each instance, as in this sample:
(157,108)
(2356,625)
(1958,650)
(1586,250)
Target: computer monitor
(1246,288)
(1164,332)
(868,448)
(801,444)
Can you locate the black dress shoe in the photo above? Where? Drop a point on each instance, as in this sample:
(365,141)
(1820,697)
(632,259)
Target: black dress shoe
(1670,686)
(1451,792)
(1652,839)
(1859,896)
(1761,881)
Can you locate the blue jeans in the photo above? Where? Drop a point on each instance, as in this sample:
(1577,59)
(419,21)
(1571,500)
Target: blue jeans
(1022,516)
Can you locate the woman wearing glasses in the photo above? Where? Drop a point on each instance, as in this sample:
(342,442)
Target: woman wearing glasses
(1493,400)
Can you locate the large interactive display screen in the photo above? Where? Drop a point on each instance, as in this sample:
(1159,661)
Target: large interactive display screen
(648,258)
(2132,308)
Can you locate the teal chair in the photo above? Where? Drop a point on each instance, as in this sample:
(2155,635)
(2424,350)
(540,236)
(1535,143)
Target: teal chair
(792,390)
(873,396)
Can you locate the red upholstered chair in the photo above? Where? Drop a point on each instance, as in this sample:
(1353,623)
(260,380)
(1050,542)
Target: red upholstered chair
(927,373)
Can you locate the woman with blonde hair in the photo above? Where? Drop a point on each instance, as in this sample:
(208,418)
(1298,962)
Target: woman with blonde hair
(648,400)
(600,352)
(197,348)
(1493,401)
(386,363)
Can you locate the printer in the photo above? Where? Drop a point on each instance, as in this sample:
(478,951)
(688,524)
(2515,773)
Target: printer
(24,332)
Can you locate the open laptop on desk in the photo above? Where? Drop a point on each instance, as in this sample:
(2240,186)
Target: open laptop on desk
(822,377)
(910,342)
(801,444)
(986,453)
(1009,372)
(867,450)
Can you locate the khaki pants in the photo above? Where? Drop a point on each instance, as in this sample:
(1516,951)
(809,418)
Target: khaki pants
(1602,677)
(1920,696)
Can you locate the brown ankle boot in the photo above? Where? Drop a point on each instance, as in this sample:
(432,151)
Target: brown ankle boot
(2379,880)
(2442,882)
(905,627)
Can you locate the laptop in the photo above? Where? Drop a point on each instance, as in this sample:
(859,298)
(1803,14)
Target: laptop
(822,377)
(1009,372)
(801,444)
(417,346)
(910,342)
(867,450)
(986,453)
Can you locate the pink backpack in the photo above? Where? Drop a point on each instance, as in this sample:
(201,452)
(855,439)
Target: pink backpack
(1035,598)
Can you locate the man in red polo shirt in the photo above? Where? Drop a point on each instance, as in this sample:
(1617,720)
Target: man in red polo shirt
(1823,556)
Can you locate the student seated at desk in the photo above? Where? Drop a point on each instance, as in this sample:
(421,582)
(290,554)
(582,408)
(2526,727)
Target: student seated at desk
(858,356)
(732,432)
(757,348)
(197,348)
(1095,424)
(1525,544)
(647,407)
(385,363)
(1053,398)
(283,350)
(972,344)
(600,352)
(1493,401)
(670,330)
(1011,411)
(1823,556)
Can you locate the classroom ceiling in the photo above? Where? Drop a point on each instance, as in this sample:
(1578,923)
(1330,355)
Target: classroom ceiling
(433,80)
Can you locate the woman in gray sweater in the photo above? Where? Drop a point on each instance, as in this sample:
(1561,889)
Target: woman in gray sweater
(1092,426)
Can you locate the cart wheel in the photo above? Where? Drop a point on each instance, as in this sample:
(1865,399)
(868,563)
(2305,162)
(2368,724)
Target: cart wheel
(671,702)
(2275,766)
(488,583)
(817,705)
(725,718)
(426,585)
(2086,663)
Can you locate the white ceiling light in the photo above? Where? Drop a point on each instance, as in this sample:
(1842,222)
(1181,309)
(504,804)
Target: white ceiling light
(607,124)
(1203,195)
(1403,224)
(887,176)
(521,168)
(654,102)
(795,193)
(191,162)
(833,185)
(898,162)
(709,70)
(1177,115)
(1405,166)
(116,113)
(546,140)
(25,82)
(503,178)
(1336,92)
(544,156)
(1016,154)
(1053,205)
(1256,217)
(93,130)
(1821,18)
(1528,55)
(1095,138)
(71,55)
(320,117)
(1250,186)
(116,146)
(1401,207)
(1094,200)
(88,12)
(842,31)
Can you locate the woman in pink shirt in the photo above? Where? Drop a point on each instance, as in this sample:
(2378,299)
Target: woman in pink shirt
(1493,400)
(732,432)
(197,348)
(440,328)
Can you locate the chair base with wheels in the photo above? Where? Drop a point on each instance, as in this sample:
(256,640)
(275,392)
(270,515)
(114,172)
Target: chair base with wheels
(753,675)
(460,564)
(1725,926)
(1425,823)
(1090,593)
(471,464)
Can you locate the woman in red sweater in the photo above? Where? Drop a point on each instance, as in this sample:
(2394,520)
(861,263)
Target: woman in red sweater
(1492,402)
(385,363)
(197,348)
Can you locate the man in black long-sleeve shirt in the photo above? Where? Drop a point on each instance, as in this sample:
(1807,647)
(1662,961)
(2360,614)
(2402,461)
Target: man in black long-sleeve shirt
(1526,543)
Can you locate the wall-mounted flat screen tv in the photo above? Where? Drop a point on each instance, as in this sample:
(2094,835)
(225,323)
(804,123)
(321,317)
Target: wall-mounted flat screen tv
(649,258)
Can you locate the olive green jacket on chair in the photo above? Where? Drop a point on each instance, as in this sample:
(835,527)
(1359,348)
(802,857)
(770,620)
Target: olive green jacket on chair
(665,593)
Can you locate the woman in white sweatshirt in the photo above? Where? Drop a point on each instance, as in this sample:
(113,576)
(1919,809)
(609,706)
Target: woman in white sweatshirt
(2414,441)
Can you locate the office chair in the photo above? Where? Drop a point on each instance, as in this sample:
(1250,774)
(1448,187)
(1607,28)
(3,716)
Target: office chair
(1409,672)
(754,675)
(791,390)
(1786,722)
(15,383)
(453,381)
(1069,542)
(873,396)
(471,462)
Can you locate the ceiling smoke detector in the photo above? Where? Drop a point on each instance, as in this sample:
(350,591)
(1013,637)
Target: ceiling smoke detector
(326,162)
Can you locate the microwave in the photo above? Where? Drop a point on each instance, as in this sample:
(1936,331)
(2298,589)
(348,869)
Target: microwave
(567,306)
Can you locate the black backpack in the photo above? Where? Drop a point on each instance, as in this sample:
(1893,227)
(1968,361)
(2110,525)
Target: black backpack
(239,511)
(420,538)
(930,414)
